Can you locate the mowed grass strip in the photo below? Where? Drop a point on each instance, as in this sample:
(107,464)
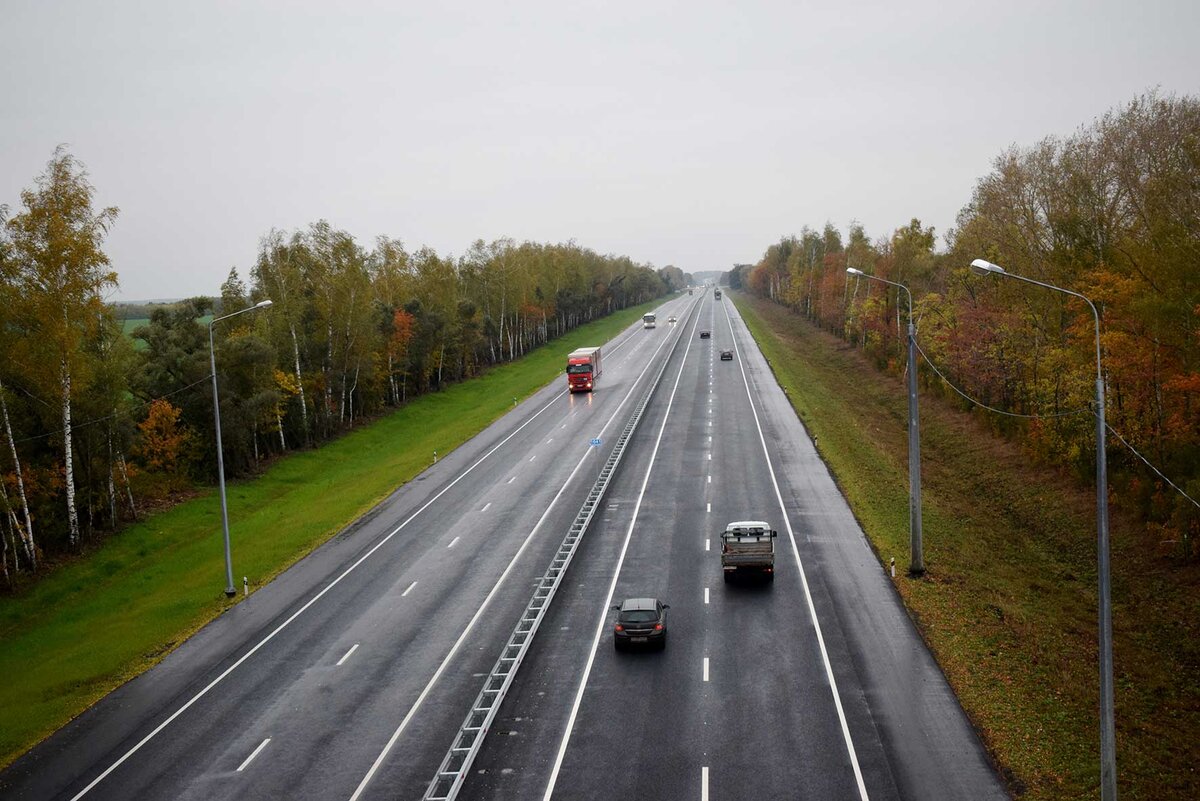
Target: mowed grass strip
(111,614)
(1008,606)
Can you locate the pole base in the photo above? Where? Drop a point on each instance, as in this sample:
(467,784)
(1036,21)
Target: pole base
(914,572)
(229,593)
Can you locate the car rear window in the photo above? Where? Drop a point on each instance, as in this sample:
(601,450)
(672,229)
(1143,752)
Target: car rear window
(639,616)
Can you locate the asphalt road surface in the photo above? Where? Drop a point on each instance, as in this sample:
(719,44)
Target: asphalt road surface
(349,676)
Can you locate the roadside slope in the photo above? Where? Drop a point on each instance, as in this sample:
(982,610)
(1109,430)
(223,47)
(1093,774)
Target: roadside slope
(1009,603)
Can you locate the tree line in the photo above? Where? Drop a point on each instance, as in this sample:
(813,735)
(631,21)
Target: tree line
(1111,212)
(96,428)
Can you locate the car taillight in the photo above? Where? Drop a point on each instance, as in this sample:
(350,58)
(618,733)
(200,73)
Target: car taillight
(658,626)
(619,627)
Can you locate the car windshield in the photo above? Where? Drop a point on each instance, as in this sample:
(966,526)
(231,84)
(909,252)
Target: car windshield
(579,369)
(639,616)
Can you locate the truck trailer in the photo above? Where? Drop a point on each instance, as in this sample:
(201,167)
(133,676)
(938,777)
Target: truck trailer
(583,367)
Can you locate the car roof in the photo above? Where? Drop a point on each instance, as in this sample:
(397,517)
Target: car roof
(748,524)
(631,604)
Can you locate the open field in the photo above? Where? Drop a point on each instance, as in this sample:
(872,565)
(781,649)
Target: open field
(107,616)
(1008,605)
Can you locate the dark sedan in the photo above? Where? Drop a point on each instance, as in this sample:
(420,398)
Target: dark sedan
(726,355)
(640,621)
(705,334)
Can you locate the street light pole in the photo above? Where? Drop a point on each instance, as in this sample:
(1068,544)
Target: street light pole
(916,566)
(1108,748)
(230,590)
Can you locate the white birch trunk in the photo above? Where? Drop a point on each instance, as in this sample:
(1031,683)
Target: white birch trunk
(279,422)
(26,534)
(69,466)
(300,384)
(112,485)
(128,489)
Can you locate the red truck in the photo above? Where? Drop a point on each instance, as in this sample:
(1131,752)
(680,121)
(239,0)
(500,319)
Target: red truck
(583,367)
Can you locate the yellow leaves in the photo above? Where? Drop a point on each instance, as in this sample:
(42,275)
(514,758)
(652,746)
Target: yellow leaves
(286,383)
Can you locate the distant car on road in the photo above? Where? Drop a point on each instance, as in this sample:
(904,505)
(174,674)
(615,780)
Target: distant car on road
(726,355)
(640,621)
(672,320)
(705,334)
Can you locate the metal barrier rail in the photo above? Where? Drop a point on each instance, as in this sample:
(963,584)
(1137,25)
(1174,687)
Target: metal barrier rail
(449,778)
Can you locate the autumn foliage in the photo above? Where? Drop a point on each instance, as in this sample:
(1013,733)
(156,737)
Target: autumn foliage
(1112,212)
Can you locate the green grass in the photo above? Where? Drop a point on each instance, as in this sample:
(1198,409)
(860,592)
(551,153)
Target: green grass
(1008,605)
(109,615)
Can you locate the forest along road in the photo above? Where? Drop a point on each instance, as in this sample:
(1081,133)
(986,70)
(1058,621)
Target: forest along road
(375,638)
(814,686)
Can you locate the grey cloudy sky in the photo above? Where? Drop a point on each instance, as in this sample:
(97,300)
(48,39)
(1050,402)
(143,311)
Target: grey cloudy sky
(686,133)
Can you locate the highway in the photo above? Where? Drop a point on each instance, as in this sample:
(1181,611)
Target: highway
(349,676)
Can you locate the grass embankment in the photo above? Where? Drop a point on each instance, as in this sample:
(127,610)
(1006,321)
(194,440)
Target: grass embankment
(1008,606)
(106,617)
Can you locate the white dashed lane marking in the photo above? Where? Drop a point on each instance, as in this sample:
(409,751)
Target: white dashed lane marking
(253,754)
(342,661)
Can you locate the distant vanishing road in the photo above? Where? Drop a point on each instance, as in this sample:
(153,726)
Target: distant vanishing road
(350,675)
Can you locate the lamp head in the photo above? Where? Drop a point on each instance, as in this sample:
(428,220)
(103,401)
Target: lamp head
(262,304)
(853,271)
(983,267)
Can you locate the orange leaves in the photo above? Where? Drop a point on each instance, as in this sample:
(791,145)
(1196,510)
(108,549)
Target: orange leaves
(403,328)
(162,438)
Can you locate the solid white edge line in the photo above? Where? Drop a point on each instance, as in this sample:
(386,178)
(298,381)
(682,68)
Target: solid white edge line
(341,661)
(307,604)
(453,542)
(706,668)
(612,587)
(812,609)
(253,754)
(495,589)
(408,590)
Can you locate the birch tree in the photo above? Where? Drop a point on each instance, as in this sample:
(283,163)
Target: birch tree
(61,274)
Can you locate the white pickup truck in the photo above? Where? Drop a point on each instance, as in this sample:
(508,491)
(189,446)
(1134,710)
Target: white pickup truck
(748,546)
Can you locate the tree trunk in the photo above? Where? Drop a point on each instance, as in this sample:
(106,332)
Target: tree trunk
(27,539)
(112,486)
(12,526)
(300,384)
(329,367)
(4,538)
(128,489)
(279,422)
(69,466)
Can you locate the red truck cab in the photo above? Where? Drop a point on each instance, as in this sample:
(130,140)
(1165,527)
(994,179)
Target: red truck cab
(583,367)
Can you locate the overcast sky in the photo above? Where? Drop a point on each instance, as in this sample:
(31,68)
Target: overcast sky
(687,133)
